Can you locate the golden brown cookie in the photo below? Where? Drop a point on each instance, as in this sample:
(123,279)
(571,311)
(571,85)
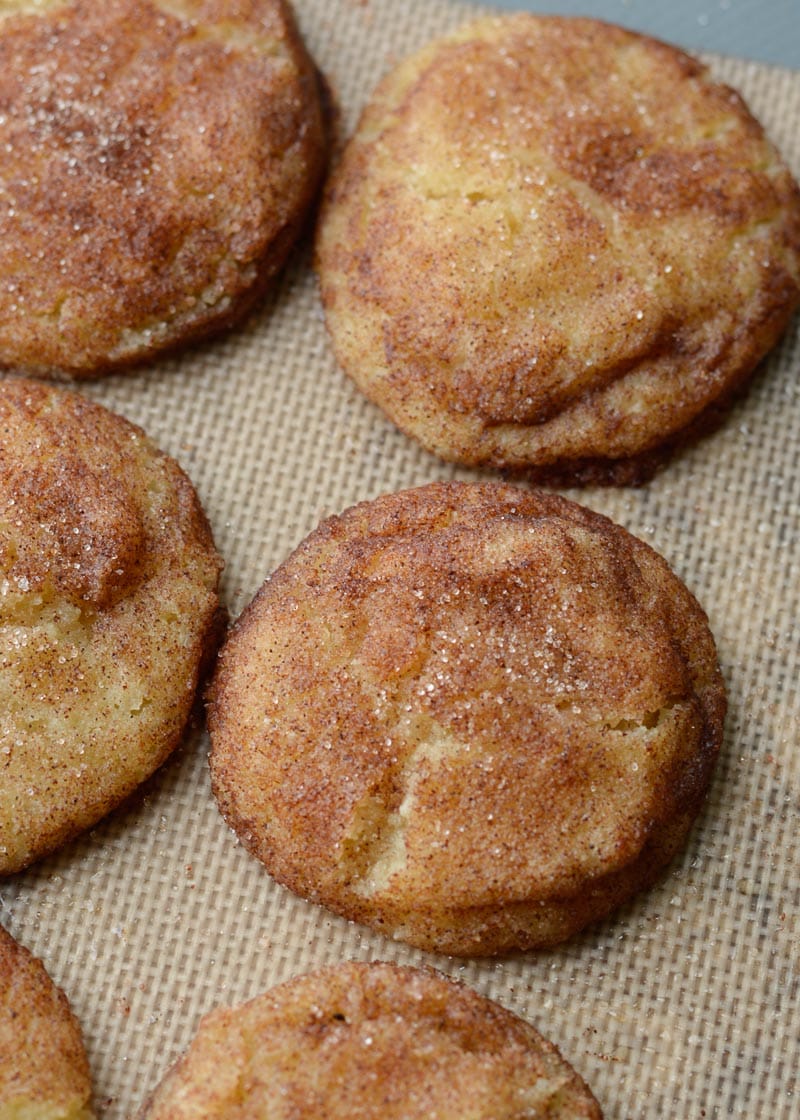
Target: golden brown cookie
(556,246)
(44,1073)
(159,157)
(473,717)
(370,1042)
(108,613)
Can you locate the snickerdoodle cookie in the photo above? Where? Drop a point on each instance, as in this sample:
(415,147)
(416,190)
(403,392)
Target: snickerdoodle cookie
(472,717)
(44,1074)
(557,246)
(159,157)
(108,613)
(370,1042)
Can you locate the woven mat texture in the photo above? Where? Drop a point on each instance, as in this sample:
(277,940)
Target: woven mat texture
(683,1004)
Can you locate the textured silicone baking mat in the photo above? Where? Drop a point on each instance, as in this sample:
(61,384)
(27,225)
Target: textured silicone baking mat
(683,1004)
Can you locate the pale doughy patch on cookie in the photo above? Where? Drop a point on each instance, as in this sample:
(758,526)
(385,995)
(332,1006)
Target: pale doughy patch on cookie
(160,157)
(370,1042)
(556,245)
(44,1072)
(108,612)
(472,717)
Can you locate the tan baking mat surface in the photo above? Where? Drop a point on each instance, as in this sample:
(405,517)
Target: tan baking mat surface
(684,1004)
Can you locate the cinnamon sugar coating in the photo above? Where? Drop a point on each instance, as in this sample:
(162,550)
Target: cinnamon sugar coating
(159,158)
(370,1042)
(473,717)
(556,246)
(108,613)
(44,1073)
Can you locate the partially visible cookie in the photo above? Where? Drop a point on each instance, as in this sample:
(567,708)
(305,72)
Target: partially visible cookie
(159,159)
(108,613)
(370,1042)
(473,717)
(44,1072)
(556,246)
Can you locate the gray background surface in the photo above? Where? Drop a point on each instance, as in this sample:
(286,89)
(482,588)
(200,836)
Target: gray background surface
(764,30)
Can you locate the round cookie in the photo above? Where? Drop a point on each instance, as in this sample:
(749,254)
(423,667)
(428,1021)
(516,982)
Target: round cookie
(473,717)
(44,1072)
(371,1042)
(108,613)
(556,246)
(159,159)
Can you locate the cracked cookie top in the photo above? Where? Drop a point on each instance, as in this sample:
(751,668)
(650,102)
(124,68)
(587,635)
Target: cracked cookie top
(472,716)
(44,1073)
(158,159)
(558,246)
(370,1042)
(108,609)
